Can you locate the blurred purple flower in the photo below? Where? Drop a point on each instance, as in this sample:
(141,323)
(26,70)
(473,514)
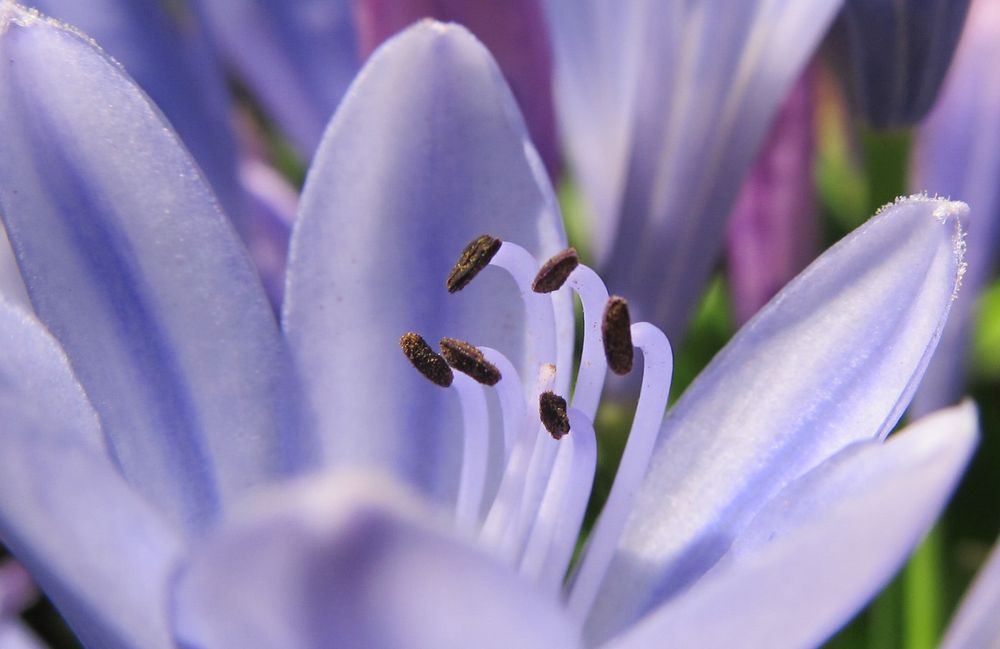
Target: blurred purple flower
(162,434)
(773,228)
(663,107)
(895,55)
(957,155)
(16,592)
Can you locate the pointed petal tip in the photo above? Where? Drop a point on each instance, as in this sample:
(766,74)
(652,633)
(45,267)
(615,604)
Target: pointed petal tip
(948,212)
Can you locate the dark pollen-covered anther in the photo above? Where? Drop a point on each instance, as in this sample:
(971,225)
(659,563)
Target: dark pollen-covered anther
(552,412)
(467,359)
(616,330)
(426,360)
(554,273)
(474,258)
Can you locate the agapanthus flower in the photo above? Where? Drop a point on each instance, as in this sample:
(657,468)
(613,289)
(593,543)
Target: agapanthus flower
(955,155)
(180,470)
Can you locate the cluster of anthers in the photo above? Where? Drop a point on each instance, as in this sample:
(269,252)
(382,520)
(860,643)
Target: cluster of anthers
(534,519)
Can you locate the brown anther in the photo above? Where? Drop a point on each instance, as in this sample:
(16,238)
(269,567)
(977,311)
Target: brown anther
(467,359)
(474,258)
(425,360)
(552,412)
(616,329)
(554,273)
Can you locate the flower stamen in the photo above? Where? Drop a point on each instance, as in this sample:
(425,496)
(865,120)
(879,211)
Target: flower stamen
(554,273)
(560,515)
(552,412)
(468,360)
(474,258)
(475,425)
(427,362)
(658,368)
(617,334)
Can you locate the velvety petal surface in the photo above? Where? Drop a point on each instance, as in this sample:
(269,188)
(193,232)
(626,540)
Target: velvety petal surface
(957,154)
(699,84)
(170,60)
(896,54)
(11,285)
(772,231)
(133,268)
(426,153)
(825,545)
(91,543)
(515,33)
(977,625)
(833,359)
(352,562)
(296,56)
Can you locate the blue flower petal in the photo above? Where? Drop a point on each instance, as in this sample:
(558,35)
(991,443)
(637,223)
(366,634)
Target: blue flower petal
(93,544)
(175,68)
(14,635)
(350,561)
(426,153)
(515,33)
(133,268)
(833,359)
(824,546)
(977,624)
(896,54)
(297,56)
(663,106)
(957,154)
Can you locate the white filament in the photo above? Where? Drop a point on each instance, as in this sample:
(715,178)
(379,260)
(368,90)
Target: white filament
(523,267)
(498,532)
(511,399)
(557,526)
(593,364)
(657,371)
(475,451)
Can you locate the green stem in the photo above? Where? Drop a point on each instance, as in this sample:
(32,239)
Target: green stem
(922,584)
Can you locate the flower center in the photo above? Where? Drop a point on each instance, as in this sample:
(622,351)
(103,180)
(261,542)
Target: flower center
(550,449)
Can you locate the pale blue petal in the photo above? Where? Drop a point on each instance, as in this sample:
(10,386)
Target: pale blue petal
(957,154)
(173,64)
(699,83)
(833,359)
(515,33)
(273,203)
(12,288)
(133,268)
(977,625)
(296,56)
(824,546)
(352,562)
(426,153)
(896,53)
(93,544)
(14,635)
